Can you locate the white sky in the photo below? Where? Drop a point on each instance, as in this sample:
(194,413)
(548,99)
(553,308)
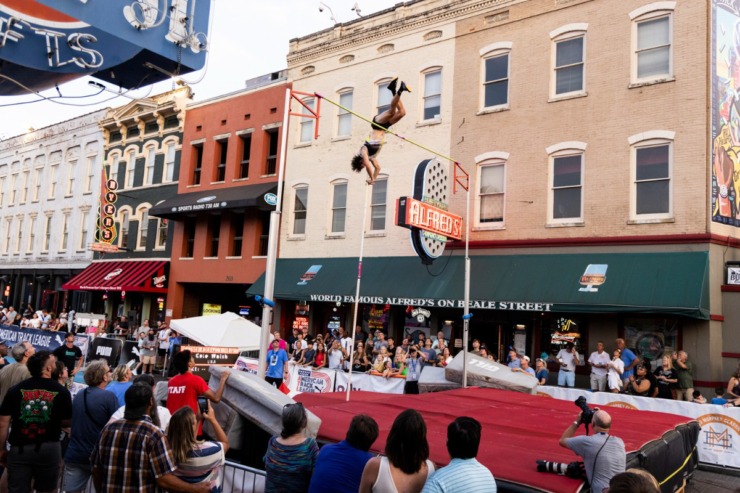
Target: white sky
(248,38)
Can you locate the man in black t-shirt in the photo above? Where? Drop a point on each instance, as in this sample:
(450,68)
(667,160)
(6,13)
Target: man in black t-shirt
(70,355)
(37,408)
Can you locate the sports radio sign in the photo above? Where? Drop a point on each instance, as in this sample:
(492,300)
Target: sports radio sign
(124,42)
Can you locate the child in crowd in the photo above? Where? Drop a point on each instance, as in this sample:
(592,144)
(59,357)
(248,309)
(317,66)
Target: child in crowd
(698,398)
(719,399)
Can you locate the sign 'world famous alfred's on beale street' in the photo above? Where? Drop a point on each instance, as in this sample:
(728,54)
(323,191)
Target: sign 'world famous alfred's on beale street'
(127,43)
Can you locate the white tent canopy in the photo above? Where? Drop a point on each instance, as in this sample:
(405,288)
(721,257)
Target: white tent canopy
(224,330)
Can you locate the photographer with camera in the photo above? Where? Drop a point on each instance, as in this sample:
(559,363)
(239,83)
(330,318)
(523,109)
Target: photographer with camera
(603,454)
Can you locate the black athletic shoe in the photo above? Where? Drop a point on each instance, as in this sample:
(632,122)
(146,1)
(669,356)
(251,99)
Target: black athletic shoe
(404,87)
(392,86)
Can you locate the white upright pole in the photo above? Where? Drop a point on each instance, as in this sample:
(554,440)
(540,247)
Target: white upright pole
(466,309)
(272,244)
(368,190)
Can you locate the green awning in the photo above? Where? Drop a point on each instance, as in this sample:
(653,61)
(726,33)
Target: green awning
(674,283)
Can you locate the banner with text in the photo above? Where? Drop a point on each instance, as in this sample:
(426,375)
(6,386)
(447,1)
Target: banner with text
(720,426)
(40,339)
(370,383)
(305,379)
(207,356)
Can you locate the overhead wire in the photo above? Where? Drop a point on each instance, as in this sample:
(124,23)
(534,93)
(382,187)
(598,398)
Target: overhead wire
(53,99)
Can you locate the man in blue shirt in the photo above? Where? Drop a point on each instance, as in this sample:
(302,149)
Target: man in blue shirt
(630,361)
(277,365)
(464,473)
(339,466)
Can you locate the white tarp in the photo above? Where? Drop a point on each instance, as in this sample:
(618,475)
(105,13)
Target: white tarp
(258,401)
(720,426)
(483,372)
(225,330)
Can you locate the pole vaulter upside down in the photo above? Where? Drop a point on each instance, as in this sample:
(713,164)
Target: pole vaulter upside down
(367,157)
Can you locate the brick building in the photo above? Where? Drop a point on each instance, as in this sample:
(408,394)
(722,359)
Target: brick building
(222,207)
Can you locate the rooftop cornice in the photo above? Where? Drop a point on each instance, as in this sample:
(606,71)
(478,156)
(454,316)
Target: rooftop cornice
(350,37)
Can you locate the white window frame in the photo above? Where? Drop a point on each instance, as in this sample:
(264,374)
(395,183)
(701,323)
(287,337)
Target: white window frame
(24,187)
(19,236)
(343,115)
(47,233)
(381,94)
(302,234)
(380,206)
(495,50)
(335,208)
(13,187)
(64,237)
(488,160)
(162,225)
(130,169)
(306,126)
(425,95)
(557,36)
(8,234)
(31,235)
(36,184)
(142,213)
(565,149)
(84,219)
(115,159)
(90,172)
(653,138)
(170,156)
(71,169)
(151,156)
(651,12)
(124,225)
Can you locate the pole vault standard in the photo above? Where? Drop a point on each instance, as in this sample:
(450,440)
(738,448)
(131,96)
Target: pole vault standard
(461,178)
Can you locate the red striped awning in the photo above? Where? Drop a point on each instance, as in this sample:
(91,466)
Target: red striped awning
(125,275)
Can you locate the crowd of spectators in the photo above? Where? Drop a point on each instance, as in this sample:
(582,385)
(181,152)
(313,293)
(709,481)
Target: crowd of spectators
(30,318)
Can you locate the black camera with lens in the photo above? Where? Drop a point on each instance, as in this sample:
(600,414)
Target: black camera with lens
(573,469)
(587,414)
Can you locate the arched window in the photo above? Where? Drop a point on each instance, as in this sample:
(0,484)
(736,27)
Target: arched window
(565,197)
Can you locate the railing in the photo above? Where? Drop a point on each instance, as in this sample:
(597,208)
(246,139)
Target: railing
(235,478)
(238,478)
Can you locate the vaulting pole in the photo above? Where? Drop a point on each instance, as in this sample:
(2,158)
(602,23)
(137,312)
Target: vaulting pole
(272,243)
(368,191)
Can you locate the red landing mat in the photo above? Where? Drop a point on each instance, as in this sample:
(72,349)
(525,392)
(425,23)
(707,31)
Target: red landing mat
(518,428)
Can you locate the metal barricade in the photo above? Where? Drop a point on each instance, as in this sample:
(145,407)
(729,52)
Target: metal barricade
(238,478)
(235,478)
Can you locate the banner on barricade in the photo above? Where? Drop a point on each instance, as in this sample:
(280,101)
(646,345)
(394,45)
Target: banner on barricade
(106,348)
(370,383)
(720,426)
(129,352)
(40,339)
(82,342)
(306,379)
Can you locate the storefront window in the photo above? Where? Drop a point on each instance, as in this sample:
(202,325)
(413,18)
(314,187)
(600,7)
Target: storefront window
(651,337)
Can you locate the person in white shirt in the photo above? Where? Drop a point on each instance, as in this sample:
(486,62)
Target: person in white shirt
(599,361)
(347,342)
(614,375)
(163,344)
(568,359)
(336,355)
